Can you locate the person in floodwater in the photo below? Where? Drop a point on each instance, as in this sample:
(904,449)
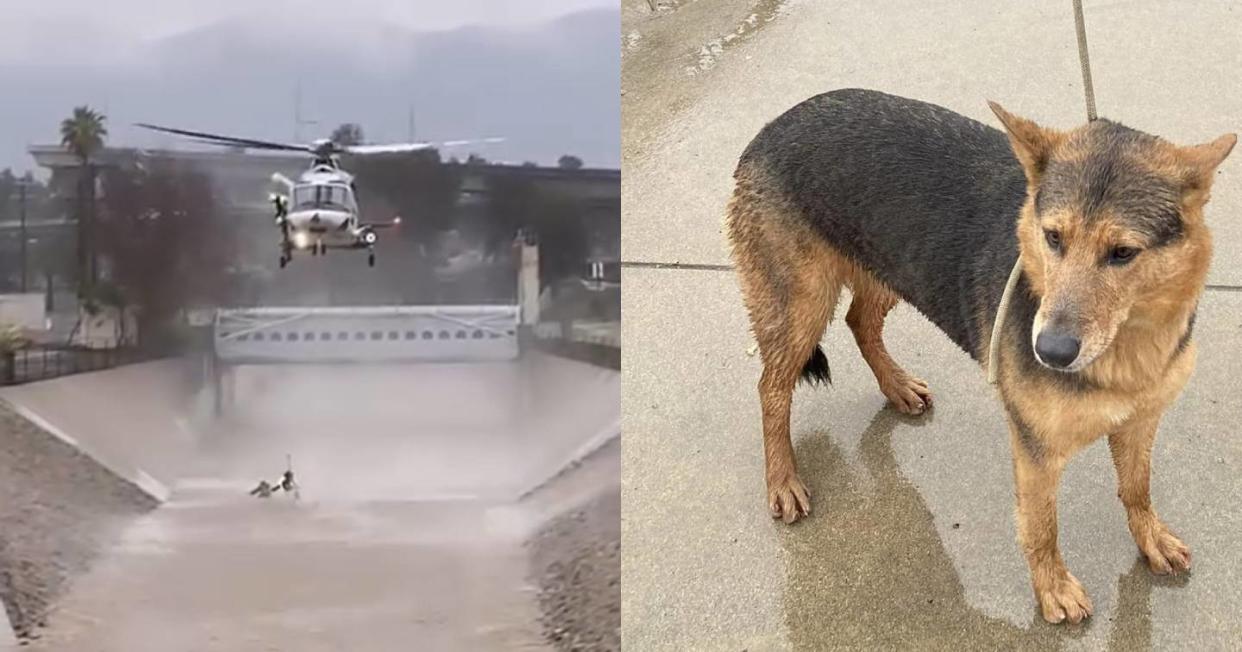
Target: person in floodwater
(286,484)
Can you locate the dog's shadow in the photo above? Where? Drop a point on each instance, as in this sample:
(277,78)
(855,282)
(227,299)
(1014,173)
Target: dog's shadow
(868,569)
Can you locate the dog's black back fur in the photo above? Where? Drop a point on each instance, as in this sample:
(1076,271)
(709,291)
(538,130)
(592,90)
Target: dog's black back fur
(925,199)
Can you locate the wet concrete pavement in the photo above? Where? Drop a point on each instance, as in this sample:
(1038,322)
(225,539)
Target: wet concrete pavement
(912,537)
(912,540)
(692,100)
(406,534)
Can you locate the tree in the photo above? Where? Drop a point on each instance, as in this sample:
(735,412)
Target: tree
(517,203)
(10,266)
(168,239)
(8,190)
(12,339)
(569,162)
(347,134)
(414,185)
(83,134)
(8,184)
(51,252)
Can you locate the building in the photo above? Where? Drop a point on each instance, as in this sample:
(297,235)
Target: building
(242,179)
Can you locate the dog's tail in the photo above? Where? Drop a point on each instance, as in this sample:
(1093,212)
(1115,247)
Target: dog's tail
(816,370)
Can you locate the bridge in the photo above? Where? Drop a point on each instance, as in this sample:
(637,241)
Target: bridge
(366,334)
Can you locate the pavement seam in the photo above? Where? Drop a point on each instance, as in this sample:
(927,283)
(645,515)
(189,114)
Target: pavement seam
(638,264)
(705,267)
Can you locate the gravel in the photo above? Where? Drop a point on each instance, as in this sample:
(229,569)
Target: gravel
(58,509)
(576,561)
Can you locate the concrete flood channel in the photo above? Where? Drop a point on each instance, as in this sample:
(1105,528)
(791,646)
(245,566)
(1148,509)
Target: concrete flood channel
(440,506)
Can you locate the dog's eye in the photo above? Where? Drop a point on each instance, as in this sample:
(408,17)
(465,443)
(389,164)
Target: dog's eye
(1121,255)
(1054,240)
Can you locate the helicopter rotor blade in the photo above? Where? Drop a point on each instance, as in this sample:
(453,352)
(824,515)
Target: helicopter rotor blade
(459,143)
(398,148)
(216,139)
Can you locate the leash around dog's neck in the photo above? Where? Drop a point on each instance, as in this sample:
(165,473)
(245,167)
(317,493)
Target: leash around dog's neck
(1003,309)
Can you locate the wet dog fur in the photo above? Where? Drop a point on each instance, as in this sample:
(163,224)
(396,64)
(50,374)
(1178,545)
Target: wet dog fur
(900,200)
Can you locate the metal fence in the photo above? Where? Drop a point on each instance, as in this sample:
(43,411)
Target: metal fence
(45,362)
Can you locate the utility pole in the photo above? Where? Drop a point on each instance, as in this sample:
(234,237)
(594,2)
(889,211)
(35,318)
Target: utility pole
(297,112)
(21,193)
(298,120)
(93,201)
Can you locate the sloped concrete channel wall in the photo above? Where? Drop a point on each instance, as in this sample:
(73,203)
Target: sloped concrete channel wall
(64,497)
(138,421)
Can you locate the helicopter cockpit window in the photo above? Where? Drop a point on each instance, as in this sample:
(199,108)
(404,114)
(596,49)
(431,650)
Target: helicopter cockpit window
(335,196)
(321,196)
(304,197)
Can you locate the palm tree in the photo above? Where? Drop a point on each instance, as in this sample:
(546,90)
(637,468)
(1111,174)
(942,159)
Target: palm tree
(83,134)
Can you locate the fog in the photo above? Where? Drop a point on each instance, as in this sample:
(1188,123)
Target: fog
(81,29)
(545,83)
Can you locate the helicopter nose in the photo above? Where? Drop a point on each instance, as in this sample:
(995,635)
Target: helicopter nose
(315,218)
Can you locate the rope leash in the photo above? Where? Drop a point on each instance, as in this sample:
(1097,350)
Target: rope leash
(1002,311)
(1084,60)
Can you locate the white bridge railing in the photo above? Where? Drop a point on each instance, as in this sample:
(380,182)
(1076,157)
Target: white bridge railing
(367,334)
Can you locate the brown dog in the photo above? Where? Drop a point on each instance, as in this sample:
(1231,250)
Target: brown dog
(902,200)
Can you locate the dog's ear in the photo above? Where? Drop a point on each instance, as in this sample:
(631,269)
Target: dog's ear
(1032,144)
(1201,162)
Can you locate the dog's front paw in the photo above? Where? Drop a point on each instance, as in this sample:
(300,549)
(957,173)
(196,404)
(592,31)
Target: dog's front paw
(908,394)
(1061,597)
(788,498)
(1166,554)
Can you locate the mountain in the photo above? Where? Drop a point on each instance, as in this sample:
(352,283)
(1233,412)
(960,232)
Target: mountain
(551,89)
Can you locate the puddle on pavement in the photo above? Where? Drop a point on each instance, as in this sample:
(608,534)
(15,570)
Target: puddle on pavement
(869,569)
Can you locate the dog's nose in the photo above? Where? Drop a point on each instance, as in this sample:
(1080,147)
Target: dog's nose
(1057,349)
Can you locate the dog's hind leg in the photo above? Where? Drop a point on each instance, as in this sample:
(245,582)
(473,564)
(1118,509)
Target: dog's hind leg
(872,302)
(790,294)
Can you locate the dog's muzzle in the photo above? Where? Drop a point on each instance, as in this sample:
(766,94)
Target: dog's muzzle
(1057,350)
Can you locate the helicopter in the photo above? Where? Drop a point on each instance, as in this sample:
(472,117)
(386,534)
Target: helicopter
(320,210)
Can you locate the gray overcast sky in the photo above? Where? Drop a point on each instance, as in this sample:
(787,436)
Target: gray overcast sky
(82,30)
